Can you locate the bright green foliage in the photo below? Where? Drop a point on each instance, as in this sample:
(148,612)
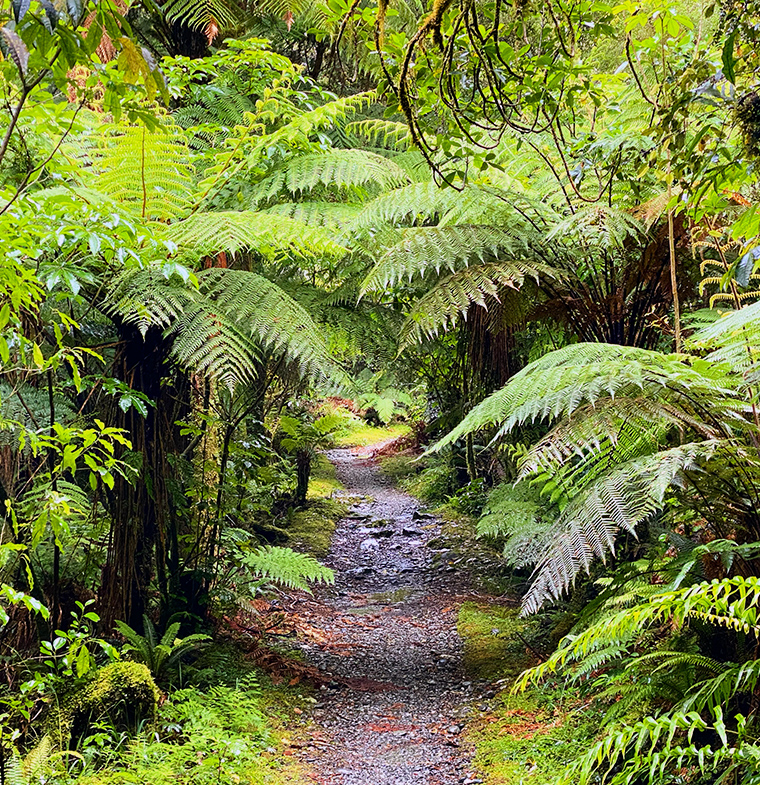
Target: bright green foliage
(657,745)
(159,654)
(284,567)
(607,462)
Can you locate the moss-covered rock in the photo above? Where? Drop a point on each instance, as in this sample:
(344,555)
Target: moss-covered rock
(121,693)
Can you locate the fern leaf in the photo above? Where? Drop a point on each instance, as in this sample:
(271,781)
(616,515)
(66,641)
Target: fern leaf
(566,379)
(431,249)
(340,169)
(203,15)
(453,296)
(209,233)
(145,171)
(286,567)
(620,501)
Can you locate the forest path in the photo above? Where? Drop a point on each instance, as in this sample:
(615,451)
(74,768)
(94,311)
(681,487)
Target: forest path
(386,632)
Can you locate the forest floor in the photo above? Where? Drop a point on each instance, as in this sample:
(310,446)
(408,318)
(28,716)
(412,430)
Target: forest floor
(398,697)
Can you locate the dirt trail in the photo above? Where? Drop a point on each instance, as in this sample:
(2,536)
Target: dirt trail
(394,713)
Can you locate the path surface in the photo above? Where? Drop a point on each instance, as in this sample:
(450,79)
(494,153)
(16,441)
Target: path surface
(386,632)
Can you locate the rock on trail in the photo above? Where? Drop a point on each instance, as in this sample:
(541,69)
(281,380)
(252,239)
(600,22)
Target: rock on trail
(394,712)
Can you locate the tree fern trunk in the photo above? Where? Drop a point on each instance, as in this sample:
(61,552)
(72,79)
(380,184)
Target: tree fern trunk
(141,509)
(303,472)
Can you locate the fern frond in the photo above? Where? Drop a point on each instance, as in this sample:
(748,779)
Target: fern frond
(220,327)
(340,169)
(145,171)
(620,500)
(731,680)
(209,233)
(453,296)
(335,216)
(513,515)
(600,225)
(410,203)
(430,249)
(203,15)
(731,603)
(562,381)
(286,567)
(734,339)
(254,307)
(381,133)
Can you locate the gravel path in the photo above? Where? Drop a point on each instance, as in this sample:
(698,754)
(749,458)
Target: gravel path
(386,632)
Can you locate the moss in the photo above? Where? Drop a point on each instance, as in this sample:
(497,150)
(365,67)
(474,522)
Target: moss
(493,640)
(123,693)
(323,481)
(311,528)
(530,739)
(363,435)
(524,738)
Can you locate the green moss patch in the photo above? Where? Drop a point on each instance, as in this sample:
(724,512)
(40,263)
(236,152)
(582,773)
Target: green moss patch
(493,641)
(530,739)
(363,435)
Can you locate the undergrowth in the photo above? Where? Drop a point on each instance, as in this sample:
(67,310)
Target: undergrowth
(526,737)
(231,726)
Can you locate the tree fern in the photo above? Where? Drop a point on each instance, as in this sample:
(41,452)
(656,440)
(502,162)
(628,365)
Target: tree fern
(453,296)
(584,373)
(221,326)
(208,16)
(146,171)
(620,500)
(380,133)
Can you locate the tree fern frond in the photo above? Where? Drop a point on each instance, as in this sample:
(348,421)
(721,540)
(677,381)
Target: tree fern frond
(599,224)
(314,11)
(619,501)
(407,204)
(600,427)
(203,14)
(584,373)
(431,249)
(452,297)
(381,133)
(210,233)
(145,171)
(210,341)
(341,169)
(734,339)
(336,216)
(264,311)
(146,298)
(220,327)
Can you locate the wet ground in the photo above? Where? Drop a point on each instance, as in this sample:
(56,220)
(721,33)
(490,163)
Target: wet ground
(394,711)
